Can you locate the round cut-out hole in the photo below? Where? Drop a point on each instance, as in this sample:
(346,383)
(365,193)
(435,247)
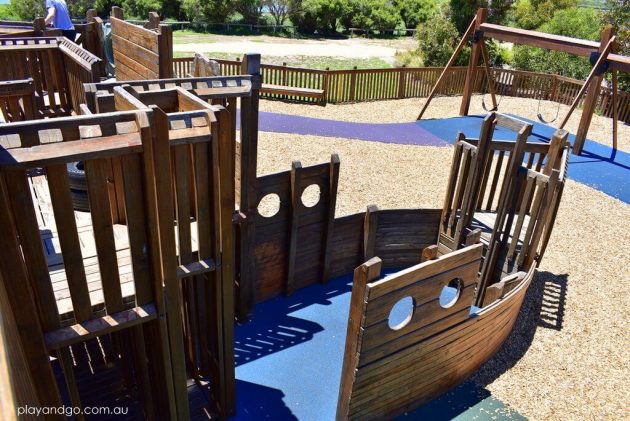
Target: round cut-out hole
(401,313)
(310,195)
(451,292)
(269,205)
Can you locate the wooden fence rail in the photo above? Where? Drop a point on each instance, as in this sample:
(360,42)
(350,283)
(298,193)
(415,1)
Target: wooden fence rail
(342,86)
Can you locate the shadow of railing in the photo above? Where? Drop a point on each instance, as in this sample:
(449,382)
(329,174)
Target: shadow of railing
(274,329)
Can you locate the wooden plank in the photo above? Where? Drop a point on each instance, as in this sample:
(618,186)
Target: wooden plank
(81,332)
(69,240)
(96,175)
(539,39)
(296,192)
(363,274)
(27,227)
(333,183)
(173,294)
(471,73)
(370,226)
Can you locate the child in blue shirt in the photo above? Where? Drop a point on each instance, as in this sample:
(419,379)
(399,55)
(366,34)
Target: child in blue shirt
(59,17)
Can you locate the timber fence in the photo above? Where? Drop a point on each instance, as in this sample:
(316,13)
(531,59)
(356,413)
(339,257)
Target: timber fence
(354,85)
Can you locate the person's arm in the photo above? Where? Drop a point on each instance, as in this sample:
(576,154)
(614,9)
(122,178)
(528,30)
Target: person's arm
(51,13)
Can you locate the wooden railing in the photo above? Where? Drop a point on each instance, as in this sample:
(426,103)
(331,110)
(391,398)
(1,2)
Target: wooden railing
(342,86)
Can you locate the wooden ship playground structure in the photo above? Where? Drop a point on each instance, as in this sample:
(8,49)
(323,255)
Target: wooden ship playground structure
(177,246)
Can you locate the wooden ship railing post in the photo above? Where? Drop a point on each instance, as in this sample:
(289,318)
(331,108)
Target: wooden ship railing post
(248,199)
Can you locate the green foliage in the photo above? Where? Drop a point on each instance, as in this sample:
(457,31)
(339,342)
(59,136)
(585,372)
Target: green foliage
(530,14)
(618,15)
(214,11)
(316,15)
(415,12)
(437,39)
(574,22)
(30,9)
(463,11)
(140,8)
(369,14)
(251,10)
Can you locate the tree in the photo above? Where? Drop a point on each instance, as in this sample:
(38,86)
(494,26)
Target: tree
(251,10)
(141,8)
(415,12)
(370,14)
(30,9)
(316,15)
(214,11)
(463,11)
(278,9)
(618,15)
(530,14)
(575,22)
(438,39)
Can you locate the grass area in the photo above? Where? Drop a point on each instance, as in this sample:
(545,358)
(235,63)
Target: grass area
(309,62)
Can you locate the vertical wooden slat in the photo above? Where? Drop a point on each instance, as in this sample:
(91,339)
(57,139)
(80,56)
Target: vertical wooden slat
(173,294)
(69,241)
(333,183)
(370,225)
(137,228)
(23,307)
(296,192)
(96,174)
(32,247)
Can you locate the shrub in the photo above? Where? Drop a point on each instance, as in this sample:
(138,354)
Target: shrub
(415,12)
(369,14)
(316,15)
(438,39)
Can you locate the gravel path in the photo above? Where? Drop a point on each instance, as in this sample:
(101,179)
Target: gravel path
(568,357)
(269,46)
(406,110)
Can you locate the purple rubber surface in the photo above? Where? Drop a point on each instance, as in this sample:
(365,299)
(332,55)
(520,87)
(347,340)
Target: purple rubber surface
(400,133)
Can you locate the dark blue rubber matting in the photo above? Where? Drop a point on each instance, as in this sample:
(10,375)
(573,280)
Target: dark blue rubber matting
(598,166)
(289,359)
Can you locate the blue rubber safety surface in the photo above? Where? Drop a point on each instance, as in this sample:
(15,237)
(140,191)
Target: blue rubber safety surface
(289,359)
(598,166)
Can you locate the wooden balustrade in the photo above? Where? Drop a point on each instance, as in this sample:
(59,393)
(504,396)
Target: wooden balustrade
(342,86)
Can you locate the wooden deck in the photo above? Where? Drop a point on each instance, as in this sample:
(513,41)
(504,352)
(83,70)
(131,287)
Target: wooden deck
(52,248)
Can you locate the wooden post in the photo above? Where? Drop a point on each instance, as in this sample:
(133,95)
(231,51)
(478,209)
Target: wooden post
(226,178)
(402,82)
(296,193)
(165,48)
(450,63)
(615,104)
(333,184)
(117,13)
(471,73)
(594,88)
(24,311)
(353,84)
(370,225)
(248,200)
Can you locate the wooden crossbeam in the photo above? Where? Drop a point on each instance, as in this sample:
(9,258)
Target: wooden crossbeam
(81,332)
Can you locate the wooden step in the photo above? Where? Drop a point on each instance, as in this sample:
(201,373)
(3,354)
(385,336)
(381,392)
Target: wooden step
(89,329)
(195,268)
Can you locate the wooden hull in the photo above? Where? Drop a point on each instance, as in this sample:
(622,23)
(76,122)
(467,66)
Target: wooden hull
(429,359)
